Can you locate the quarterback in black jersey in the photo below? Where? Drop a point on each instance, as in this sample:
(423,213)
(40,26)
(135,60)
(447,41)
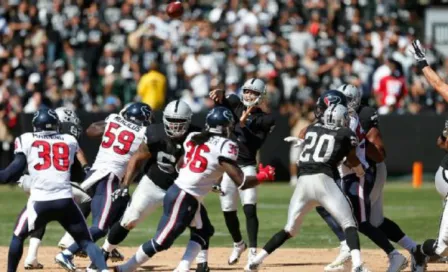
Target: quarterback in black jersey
(157,159)
(250,133)
(325,146)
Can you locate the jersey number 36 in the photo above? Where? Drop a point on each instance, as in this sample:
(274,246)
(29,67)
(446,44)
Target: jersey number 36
(194,159)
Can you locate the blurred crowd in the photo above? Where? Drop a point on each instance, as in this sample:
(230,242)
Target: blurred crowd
(98,55)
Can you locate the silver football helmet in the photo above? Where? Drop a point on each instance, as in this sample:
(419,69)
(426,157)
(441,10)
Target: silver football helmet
(177,118)
(336,116)
(352,94)
(257,85)
(67,115)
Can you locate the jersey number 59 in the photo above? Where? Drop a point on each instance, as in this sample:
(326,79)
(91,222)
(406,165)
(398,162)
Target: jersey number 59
(193,158)
(125,139)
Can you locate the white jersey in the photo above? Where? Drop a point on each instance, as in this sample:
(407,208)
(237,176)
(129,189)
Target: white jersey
(49,157)
(201,166)
(120,141)
(356,127)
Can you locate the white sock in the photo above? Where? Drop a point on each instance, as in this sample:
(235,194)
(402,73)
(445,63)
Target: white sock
(356,257)
(202,256)
(66,240)
(137,260)
(107,246)
(191,252)
(407,243)
(253,250)
(260,257)
(67,252)
(393,253)
(344,243)
(32,250)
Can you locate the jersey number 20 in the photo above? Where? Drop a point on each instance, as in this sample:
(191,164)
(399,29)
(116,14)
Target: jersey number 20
(196,162)
(56,153)
(317,155)
(124,138)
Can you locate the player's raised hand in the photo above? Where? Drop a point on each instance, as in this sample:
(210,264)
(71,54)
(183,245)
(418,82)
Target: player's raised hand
(121,193)
(265,173)
(245,115)
(418,51)
(217,95)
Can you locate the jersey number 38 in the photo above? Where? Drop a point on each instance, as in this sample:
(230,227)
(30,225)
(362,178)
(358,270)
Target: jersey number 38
(194,159)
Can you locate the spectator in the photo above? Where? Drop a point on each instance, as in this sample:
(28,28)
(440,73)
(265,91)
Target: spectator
(152,87)
(392,90)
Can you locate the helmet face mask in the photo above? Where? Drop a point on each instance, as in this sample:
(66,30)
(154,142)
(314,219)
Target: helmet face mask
(177,118)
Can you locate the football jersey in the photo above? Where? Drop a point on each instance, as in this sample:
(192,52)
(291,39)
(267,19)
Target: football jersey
(166,152)
(252,136)
(324,148)
(120,141)
(201,167)
(49,157)
(355,126)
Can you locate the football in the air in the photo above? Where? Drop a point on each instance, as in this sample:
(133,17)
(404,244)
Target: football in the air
(175,9)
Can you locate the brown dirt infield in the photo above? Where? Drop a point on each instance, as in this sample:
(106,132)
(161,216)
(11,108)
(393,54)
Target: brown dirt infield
(288,259)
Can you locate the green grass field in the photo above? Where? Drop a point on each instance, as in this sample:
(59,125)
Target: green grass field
(415,210)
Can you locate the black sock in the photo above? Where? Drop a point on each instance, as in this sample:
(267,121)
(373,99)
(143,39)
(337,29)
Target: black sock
(250,210)
(15,253)
(352,238)
(85,208)
(39,233)
(276,241)
(392,230)
(117,234)
(233,225)
(376,236)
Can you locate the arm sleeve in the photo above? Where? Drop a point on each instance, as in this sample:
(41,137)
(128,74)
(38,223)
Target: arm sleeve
(231,101)
(229,150)
(14,169)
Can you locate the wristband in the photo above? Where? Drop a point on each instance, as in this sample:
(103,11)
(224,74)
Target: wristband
(422,64)
(442,137)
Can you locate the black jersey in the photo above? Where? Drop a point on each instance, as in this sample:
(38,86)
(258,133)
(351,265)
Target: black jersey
(76,172)
(250,137)
(165,153)
(324,148)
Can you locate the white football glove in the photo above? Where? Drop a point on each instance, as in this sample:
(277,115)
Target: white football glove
(418,51)
(296,141)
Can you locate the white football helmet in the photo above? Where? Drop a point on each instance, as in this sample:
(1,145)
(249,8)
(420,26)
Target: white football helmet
(256,85)
(177,118)
(67,115)
(336,116)
(352,94)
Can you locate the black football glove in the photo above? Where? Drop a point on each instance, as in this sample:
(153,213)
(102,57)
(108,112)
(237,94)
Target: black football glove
(121,194)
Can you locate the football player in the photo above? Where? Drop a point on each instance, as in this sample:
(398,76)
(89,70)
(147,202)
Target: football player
(121,134)
(48,155)
(207,156)
(250,132)
(324,147)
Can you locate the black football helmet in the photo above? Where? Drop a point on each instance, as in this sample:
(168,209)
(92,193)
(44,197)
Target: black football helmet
(219,121)
(138,113)
(45,119)
(328,98)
